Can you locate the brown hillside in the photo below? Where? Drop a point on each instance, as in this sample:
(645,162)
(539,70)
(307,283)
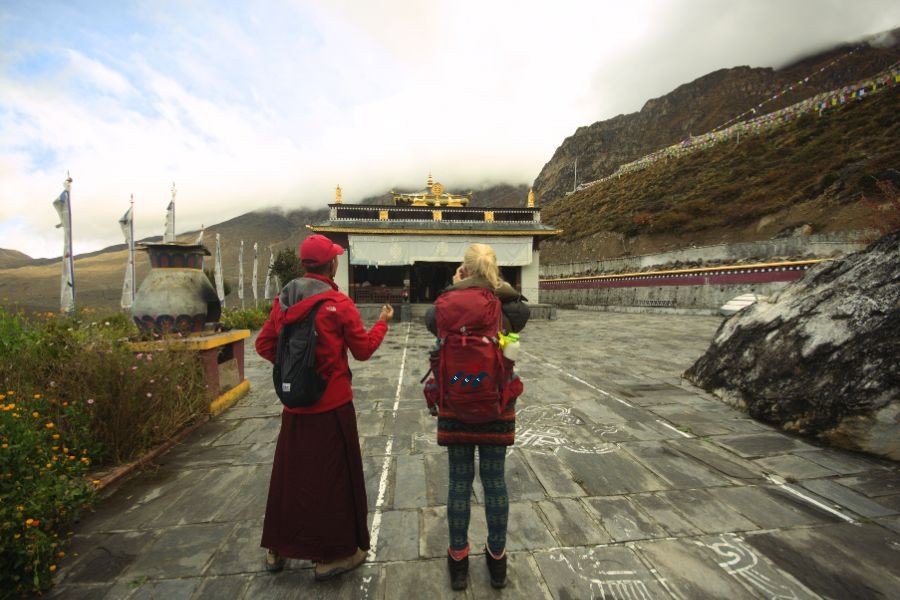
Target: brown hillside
(13,258)
(698,107)
(98,276)
(818,171)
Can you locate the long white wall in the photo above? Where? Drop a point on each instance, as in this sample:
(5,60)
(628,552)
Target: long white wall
(812,246)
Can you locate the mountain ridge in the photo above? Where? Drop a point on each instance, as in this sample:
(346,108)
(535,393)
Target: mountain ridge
(702,105)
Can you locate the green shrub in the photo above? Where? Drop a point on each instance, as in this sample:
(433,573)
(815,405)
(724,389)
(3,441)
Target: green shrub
(43,488)
(74,395)
(250,318)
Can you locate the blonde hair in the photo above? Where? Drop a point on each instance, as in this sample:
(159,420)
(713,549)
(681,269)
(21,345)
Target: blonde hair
(480,261)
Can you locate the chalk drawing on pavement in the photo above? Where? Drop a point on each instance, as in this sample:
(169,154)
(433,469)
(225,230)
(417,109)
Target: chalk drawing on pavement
(739,560)
(599,580)
(549,428)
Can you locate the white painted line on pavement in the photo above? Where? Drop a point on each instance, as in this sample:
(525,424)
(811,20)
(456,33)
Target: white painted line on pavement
(673,428)
(780,483)
(386,465)
(578,379)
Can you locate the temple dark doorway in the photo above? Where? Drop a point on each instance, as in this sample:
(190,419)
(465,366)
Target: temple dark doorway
(429,278)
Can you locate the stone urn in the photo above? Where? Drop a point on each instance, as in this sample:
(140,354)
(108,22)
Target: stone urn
(176,297)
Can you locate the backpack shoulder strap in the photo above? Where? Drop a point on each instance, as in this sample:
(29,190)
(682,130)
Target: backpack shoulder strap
(288,329)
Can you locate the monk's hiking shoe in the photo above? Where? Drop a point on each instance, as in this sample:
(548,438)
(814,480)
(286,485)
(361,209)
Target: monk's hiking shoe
(274,562)
(328,570)
(497,568)
(459,572)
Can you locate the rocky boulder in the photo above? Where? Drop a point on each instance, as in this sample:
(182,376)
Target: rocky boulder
(822,357)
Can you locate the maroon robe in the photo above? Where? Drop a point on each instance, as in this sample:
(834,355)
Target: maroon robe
(317,505)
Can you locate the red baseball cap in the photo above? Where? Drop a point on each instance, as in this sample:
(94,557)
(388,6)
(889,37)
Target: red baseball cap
(317,250)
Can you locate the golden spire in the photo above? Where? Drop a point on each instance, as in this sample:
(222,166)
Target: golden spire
(430,181)
(531,198)
(337,195)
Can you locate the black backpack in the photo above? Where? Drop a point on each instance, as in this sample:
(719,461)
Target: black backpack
(294,373)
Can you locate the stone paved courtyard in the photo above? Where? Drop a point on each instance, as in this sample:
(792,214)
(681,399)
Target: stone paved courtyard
(625,482)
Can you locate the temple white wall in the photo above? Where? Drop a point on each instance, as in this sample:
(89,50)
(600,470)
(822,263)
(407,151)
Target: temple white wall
(530,274)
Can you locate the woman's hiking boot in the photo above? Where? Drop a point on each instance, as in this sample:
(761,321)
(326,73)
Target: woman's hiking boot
(459,572)
(497,568)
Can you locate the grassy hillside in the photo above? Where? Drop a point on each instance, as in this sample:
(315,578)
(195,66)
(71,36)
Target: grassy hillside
(814,171)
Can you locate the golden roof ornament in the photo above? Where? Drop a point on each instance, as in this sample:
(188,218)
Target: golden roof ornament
(531,198)
(430,181)
(437,189)
(338,195)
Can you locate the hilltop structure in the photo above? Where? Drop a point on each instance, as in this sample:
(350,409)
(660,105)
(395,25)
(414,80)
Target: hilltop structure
(410,249)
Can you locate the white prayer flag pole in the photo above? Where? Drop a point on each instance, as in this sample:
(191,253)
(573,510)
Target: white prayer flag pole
(267,293)
(255,273)
(241,274)
(127,224)
(220,283)
(63,206)
(169,236)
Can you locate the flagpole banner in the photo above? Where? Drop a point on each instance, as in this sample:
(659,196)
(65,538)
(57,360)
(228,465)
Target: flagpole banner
(169,235)
(67,279)
(220,282)
(267,292)
(127,224)
(241,274)
(255,273)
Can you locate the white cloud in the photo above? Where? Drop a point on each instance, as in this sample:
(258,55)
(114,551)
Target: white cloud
(248,105)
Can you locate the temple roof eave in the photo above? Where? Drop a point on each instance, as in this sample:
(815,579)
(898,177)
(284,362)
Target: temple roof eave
(363,230)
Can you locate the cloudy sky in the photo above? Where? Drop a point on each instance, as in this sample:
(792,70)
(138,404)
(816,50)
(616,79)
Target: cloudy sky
(247,105)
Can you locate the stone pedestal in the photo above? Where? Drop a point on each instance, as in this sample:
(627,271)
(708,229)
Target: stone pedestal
(222,356)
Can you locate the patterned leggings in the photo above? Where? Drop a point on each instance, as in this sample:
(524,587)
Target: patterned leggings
(492,461)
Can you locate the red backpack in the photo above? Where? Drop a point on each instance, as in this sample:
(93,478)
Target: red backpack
(470,369)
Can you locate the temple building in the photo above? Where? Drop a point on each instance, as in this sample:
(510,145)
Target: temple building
(409,250)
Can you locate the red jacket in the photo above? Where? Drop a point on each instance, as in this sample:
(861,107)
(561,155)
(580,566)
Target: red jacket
(339,327)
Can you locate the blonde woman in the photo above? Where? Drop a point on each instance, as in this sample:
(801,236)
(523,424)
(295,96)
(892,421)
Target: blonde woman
(472,304)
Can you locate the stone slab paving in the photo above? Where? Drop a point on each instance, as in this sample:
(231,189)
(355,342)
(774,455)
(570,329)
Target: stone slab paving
(625,482)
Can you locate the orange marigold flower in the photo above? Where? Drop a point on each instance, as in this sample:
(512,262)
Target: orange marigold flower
(60,554)
(96,482)
(10,392)
(71,457)
(37,396)
(35,414)
(20,508)
(29,522)
(65,403)
(55,436)
(50,425)
(4,446)
(52,568)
